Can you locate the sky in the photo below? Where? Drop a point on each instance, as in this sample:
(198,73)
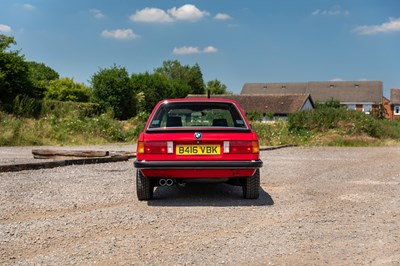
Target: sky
(234,41)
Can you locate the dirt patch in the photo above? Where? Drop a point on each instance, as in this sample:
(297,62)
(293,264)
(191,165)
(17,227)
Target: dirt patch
(336,206)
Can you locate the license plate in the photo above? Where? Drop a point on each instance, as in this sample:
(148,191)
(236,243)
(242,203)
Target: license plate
(198,150)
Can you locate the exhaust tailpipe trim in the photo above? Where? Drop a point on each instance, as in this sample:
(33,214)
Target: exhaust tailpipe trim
(162,182)
(169,182)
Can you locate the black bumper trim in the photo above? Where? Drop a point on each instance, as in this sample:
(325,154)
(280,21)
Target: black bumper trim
(198,164)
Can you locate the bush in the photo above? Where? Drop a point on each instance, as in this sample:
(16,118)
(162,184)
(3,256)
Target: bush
(24,106)
(61,109)
(349,122)
(65,89)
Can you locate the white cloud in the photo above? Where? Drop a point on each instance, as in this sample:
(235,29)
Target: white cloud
(210,49)
(151,15)
(5,28)
(157,15)
(392,26)
(335,11)
(187,12)
(186,50)
(28,7)
(222,16)
(337,79)
(96,13)
(120,34)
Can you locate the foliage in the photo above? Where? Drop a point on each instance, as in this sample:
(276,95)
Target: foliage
(14,74)
(112,89)
(139,122)
(277,133)
(216,87)
(65,89)
(24,106)
(62,129)
(348,122)
(331,103)
(192,76)
(254,116)
(149,89)
(40,75)
(60,109)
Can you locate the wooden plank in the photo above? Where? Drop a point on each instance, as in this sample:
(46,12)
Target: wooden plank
(50,154)
(53,164)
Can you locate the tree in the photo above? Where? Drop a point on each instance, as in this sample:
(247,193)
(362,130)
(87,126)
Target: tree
(192,76)
(112,89)
(14,73)
(40,75)
(149,89)
(66,90)
(195,80)
(216,87)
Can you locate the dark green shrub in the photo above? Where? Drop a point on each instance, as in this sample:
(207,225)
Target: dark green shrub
(24,106)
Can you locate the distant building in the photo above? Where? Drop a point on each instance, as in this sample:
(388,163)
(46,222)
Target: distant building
(280,106)
(356,95)
(392,106)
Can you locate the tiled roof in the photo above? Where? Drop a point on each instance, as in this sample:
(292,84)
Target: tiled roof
(395,96)
(344,91)
(279,104)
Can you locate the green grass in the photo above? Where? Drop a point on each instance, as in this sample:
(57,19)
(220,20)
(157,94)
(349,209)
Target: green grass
(70,129)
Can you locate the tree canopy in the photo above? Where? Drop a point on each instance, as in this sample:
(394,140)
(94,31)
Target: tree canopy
(192,76)
(216,87)
(112,89)
(14,73)
(66,90)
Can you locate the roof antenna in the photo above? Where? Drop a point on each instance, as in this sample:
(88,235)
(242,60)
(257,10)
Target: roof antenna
(208,94)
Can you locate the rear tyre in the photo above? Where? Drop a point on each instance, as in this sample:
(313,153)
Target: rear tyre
(251,186)
(144,187)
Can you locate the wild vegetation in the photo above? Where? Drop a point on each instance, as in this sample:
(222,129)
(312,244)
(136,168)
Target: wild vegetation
(37,107)
(330,125)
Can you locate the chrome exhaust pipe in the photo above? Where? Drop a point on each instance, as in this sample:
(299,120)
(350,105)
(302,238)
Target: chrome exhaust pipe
(169,182)
(162,182)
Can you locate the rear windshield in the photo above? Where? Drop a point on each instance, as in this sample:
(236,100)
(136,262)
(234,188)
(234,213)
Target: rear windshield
(197,114)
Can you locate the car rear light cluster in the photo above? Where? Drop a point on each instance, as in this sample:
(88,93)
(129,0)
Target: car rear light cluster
(241,147)
(164,147)
(155,147)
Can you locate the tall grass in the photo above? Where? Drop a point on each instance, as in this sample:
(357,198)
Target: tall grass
(67,129)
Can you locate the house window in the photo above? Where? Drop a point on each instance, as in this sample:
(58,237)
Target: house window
(367,108)
(397,110)
(351,106)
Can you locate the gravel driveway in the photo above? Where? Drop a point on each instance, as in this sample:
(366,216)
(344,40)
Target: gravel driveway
(336,206)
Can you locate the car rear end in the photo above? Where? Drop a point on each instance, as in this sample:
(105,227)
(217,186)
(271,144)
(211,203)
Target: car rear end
(192,140)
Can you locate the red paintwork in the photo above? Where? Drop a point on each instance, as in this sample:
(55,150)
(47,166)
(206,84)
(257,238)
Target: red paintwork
(208,137)
(198,173)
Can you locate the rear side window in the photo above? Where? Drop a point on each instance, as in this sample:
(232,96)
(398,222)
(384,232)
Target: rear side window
(197,114)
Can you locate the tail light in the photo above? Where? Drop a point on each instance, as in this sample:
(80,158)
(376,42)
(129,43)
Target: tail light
(241,147)
(155,147)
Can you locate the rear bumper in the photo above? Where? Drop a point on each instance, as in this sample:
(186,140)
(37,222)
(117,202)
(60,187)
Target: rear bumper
(198,164)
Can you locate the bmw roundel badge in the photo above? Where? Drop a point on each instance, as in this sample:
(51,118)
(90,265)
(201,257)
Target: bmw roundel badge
(197,135)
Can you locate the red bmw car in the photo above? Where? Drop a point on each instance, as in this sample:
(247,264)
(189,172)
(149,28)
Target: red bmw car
(197,140)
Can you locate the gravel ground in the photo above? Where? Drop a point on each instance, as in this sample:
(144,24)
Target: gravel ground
(335,206)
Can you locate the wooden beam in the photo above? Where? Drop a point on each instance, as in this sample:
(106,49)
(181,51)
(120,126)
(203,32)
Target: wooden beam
(57,154)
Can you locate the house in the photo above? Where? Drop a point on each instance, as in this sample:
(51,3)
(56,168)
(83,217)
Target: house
(356,95)
(392,106)
(279,105)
